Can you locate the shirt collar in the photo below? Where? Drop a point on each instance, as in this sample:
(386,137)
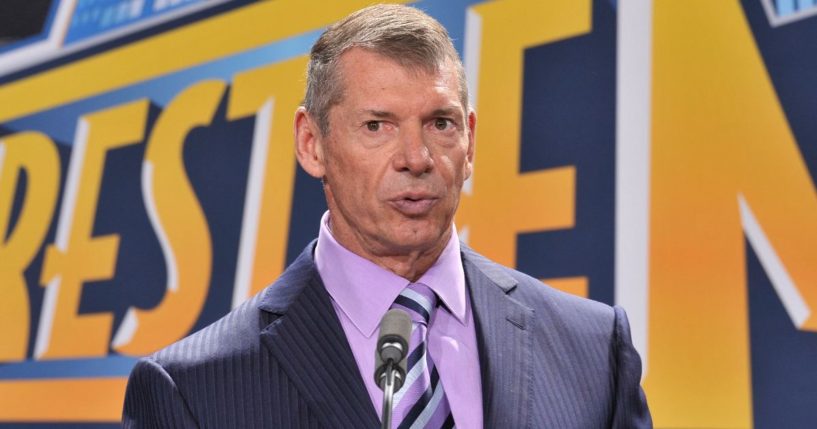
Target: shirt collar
(364,291)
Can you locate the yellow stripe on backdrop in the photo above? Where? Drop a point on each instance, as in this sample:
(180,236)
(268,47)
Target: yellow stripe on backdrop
(65,400)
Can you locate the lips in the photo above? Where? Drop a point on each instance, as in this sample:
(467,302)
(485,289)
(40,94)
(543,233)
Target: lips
(414,204)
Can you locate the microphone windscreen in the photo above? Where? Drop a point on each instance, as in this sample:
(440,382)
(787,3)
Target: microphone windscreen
(392,344)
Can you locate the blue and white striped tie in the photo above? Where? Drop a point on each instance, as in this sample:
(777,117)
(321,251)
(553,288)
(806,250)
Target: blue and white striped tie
(421,402)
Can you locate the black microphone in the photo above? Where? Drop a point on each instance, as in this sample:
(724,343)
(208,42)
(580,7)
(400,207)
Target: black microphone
(390,357)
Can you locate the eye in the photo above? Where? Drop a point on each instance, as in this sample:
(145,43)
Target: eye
(442,124)
(373,126)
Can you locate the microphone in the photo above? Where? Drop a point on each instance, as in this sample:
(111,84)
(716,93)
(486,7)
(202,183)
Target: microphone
(390,357)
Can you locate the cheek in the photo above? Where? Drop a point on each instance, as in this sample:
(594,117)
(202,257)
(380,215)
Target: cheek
(361,182)
(452,169)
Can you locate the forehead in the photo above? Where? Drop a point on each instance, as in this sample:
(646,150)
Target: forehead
(368,77)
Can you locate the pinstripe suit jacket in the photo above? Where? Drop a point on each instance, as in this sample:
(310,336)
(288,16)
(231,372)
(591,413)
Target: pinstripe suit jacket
(281,360)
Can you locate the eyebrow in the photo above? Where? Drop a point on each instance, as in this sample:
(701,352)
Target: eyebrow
(382,114)
(446,111)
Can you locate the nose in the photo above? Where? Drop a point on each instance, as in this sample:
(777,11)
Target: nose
(413,155)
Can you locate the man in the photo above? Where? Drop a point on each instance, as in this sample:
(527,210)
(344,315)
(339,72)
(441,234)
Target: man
(387,128)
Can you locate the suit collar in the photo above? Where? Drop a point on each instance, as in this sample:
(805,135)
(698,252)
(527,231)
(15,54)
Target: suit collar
(505,345)
(278,297)
(497,274)
(308,342)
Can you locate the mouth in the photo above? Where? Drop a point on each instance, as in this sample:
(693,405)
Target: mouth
(414,205)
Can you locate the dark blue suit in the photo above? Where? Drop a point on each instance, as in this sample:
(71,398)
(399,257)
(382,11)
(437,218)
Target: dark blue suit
(548,360)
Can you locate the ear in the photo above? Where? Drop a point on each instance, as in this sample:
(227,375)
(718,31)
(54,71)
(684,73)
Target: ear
(469,154)
(309,144)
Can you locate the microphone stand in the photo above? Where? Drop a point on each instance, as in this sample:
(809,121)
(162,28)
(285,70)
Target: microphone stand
(388,394)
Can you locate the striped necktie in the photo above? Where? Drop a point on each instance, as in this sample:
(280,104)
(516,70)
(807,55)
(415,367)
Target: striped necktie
(421,402)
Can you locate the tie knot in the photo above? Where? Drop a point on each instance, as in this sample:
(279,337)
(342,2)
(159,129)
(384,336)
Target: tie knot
(419,300)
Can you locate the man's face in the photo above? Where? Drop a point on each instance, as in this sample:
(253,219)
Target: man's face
(400,146)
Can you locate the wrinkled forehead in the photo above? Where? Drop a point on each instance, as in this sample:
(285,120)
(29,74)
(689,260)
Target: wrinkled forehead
(352,71)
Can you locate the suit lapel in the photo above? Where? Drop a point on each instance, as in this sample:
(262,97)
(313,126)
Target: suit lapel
(504,343)
(309,344)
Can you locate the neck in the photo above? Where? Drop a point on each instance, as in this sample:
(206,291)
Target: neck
(409,264)
(412,266)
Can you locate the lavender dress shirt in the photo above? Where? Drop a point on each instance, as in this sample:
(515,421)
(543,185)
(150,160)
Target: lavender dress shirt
(361,294)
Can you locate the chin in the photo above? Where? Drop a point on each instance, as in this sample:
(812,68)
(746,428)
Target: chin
(423,239)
